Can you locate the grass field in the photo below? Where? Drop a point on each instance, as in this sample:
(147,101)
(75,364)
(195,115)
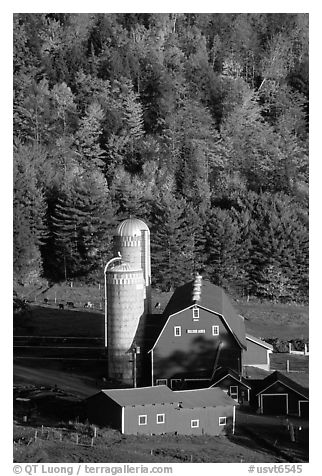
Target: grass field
(111,447)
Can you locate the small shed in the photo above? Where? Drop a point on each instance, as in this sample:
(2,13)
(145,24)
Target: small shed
(282,395)
(207,411)
(157,410)
(257,353)
(232,384)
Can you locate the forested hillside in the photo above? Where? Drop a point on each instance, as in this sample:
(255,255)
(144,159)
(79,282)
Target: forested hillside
(196,123)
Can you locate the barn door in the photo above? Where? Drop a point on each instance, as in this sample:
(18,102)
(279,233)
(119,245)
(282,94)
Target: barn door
(274,404)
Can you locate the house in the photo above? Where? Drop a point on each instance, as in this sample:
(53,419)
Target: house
(158,410)
(233,384)
(282,394)
(257,353)
(201,331)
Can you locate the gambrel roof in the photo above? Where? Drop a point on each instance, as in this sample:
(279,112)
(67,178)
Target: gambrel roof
(212,298)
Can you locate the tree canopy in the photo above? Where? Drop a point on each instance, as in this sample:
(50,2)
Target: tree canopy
(196,123)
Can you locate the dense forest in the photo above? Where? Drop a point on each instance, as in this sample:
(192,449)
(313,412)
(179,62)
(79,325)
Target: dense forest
(196,123)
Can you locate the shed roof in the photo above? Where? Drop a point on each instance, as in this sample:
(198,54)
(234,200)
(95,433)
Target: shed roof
(259,341)
(213,298)
(141,396)
(207,397)
(223,372)
(287,381)
(204,397)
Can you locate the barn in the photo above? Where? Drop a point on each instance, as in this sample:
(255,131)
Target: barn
(201,332)
(233,385)
(257,353)
(158,410)
(283,395)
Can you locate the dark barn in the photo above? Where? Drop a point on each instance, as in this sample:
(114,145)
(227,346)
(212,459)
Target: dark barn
(233,385)
(282,395)
(201,332)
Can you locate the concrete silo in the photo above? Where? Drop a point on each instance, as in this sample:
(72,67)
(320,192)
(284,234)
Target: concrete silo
(125,306)
(132,241)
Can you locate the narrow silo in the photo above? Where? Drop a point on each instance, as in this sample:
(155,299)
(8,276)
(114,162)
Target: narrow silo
(132,240)
(125,306)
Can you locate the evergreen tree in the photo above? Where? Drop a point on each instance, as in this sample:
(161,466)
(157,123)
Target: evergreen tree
(88,135)
(276,248)
(172,247)
(81,222)
(223,248)
(29,210)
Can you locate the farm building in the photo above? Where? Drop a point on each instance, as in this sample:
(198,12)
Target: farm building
(233,385)
(257,353)
(280,394)
(201,331)
(157,410)
(198,333)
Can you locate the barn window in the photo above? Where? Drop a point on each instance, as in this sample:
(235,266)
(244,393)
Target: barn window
(177,331)
(222,421)
(215,330)
(160,418)
(143,419)
(194,423)
(195,314)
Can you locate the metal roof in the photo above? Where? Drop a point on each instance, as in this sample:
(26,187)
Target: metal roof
(141,396)
(205,397)
(212,298)
(259,341)
(131,227)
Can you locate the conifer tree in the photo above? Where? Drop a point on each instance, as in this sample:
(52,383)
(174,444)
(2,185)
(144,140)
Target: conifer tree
(81,221)
(88,136)
(29,210)
(172,259)
(223,249)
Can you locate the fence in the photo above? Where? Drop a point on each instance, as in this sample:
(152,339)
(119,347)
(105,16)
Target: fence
(63,434)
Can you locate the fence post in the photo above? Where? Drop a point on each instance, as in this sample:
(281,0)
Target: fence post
(92,442)
(287,365)
(76,438)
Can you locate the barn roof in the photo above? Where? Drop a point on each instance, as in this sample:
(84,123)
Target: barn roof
(212,298)
(208,397)
(259,341)
(223,372)
(141,396)
(285,380)
(205,397)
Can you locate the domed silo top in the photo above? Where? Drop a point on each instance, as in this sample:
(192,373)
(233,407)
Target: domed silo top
(131,227)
